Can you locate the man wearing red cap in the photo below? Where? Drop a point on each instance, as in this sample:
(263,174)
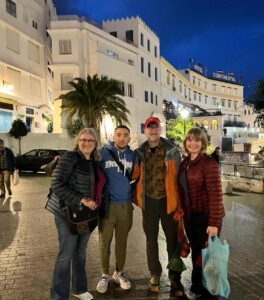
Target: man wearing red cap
(156,166)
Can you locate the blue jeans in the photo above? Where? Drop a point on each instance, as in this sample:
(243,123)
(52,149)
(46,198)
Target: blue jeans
(70,263)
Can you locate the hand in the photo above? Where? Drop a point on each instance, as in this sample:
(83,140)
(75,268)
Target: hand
(212,231)
(88,202)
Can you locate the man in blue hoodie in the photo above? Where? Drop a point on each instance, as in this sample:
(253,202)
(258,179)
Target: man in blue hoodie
(118,214)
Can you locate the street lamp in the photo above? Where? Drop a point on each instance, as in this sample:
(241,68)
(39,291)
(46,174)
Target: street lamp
(184,114)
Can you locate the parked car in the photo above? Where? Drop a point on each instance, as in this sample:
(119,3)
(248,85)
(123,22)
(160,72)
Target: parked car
(34,159)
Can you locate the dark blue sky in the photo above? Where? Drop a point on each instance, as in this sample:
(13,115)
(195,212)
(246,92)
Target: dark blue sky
(223,35)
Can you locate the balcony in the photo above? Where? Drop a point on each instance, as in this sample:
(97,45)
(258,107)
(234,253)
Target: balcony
(234,124)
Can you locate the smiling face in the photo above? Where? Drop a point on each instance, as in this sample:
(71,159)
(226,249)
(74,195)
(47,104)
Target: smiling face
(121,138)
(86,144)
(193,146)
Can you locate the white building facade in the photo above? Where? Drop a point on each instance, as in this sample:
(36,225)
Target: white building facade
(25,82)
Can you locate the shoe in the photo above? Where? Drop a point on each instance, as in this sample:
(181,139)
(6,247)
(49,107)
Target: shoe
(177,289)
(154,283)
(121,278)
(84,296)
(191,295)
(102,285)
(2,196)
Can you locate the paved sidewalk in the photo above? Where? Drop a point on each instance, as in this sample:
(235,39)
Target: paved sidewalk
(28,247)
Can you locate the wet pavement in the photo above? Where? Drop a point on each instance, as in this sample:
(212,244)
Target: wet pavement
(28,247)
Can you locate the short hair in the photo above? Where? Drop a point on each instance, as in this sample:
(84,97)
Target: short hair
(2,141)
(199,135)
(95,154)
(122,126)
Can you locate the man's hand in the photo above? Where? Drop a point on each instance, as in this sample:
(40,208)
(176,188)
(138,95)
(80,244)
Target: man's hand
(212,231)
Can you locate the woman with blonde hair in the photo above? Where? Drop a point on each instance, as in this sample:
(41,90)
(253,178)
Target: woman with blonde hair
(201,199)
(76,181)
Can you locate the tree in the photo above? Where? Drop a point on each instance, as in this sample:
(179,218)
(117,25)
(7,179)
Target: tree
(18,130)
(175,128)
(257,99)
(92,99)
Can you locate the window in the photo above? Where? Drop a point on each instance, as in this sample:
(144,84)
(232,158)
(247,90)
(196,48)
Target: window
(185,91)
(11,8)
(148,45)
(151,97)
(12,40)
(29,111)
(14,77)
(223,89)
(122,87)
(33,52)
(180,87)
(130,90)
(229,103)
(229,90)
(131,62)
(142,39)
(49,94)
(223,102)
(34,24)
(65,79)
(65,47)
(235,105)
(214,101)
(173,82)
(129,36)
(194,96)
(214,87)
(194,80)
(199,82)
(168,77)
(200,97)
(205,99)
(205,85)
(156,51)
(149,70)
(113,33)
(156,99)
(146,96)
(235,91)
(142,64)
(156,73)
(112,54)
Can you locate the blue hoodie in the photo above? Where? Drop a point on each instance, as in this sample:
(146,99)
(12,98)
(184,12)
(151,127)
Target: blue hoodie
(119,186)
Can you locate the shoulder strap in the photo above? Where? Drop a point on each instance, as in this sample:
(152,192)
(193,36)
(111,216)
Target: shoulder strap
(119,163)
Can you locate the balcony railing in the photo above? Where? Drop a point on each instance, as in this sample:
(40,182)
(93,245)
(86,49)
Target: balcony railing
(243,170)
(234,124)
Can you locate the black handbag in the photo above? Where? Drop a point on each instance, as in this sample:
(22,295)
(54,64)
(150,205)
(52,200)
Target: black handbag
(81,220)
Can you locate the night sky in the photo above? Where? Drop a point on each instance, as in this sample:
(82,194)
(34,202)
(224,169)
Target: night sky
(223,35)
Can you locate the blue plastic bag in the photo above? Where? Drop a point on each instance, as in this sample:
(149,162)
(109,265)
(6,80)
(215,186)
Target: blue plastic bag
(215,260)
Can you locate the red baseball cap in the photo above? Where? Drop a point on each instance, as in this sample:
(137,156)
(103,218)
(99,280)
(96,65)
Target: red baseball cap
(152,120)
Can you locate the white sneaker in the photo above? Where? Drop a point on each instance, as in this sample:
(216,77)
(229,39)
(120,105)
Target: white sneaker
(121,278)
(191,295)
(84,296)
(102,285)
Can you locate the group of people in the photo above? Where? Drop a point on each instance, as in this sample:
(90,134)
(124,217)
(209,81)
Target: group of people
(153,177)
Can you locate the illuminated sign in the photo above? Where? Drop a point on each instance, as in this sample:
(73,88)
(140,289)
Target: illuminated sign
(224,77)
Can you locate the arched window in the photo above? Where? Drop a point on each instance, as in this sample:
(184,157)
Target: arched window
(205,124)
(214,124)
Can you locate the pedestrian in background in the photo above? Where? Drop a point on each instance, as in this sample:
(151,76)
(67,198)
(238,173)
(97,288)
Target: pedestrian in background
(77,180)
(216,154)
(7,167)
(201,199)
(156,165)
(117,162)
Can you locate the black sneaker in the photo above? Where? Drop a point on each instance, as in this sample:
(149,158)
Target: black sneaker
(177,289)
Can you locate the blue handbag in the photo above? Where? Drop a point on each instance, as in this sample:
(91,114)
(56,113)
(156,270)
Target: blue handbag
(214,264)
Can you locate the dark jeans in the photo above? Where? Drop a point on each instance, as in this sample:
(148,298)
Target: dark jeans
(155,211)
(198,237)
(70,262)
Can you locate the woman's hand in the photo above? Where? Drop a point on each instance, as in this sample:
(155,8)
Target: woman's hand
(212,231)
(88,202)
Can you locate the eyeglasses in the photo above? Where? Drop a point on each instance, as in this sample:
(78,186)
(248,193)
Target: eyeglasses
(153,127)
(87,141)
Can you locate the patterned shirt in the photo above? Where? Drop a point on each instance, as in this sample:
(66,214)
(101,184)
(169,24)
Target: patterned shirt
(3,160)
(155,172)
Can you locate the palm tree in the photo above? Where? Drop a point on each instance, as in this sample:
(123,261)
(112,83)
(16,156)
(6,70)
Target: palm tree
(92,99)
